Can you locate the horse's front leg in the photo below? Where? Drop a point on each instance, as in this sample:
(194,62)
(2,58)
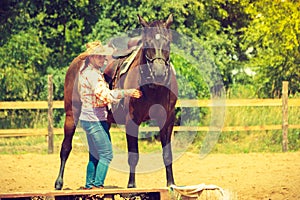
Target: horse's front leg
(133,151)
(66,147)
(165,137)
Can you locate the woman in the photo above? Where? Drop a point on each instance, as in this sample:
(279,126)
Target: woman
(95,97)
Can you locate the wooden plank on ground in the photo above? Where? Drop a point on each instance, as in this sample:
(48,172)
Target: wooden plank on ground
(163,193)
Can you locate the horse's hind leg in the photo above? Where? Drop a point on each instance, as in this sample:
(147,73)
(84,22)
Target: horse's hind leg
(66,147)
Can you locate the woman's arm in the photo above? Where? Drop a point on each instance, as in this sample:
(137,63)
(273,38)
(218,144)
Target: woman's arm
(108,96)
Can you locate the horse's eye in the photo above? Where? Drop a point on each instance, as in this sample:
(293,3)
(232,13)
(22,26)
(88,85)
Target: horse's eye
(147,44)
(150,52)
(165,52)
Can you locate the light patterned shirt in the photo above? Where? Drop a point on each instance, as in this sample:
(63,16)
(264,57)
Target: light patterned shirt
(95,94)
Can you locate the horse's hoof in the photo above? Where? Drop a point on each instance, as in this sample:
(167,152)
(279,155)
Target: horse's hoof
(58,185)
(170,184)
(131,185)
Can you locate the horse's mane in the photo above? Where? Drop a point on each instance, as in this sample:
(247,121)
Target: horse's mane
(157,23)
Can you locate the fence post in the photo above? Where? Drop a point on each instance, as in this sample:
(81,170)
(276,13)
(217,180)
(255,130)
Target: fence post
(50,115)
(285,117)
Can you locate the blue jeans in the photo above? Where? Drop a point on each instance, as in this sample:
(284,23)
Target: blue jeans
(100,152)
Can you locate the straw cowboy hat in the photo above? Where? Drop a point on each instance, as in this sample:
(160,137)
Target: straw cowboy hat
(96,48)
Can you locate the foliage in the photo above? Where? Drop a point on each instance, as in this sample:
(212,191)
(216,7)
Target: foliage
(13,18)
(271,42)
(186,73)
(22,66)
(64,24)
(236,35)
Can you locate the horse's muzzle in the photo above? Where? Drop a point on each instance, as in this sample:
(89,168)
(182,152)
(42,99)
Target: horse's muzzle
(161,73)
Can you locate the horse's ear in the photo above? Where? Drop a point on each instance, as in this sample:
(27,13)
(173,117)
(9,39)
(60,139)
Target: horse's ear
(143,22)
(169,21)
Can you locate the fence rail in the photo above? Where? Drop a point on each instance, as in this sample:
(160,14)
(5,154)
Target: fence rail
(60,131)
(284,102)
(181,103)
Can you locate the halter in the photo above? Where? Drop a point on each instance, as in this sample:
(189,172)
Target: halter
(150,77)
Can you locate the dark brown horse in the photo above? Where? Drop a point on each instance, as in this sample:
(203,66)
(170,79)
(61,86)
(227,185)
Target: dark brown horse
(151,72)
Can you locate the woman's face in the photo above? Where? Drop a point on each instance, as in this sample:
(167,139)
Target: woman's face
(97,60)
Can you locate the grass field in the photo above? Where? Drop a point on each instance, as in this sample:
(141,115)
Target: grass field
(228,142)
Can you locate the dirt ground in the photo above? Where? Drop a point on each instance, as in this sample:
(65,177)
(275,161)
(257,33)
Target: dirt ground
(246,176)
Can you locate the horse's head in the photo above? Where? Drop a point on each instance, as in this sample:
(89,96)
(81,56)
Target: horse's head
(156,38)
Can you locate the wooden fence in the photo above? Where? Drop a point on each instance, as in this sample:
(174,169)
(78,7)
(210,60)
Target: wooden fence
(284,102)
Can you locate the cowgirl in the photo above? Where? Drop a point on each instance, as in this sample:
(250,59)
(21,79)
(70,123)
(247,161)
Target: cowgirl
(95,97)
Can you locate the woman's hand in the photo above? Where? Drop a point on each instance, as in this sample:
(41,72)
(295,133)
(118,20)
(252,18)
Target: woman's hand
(133,93)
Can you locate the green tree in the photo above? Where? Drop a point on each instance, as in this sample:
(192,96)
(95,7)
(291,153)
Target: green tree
(24,57)
(271,42)
(63,25)
(263,35)
(13,18)
(198,20)
(22,66)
